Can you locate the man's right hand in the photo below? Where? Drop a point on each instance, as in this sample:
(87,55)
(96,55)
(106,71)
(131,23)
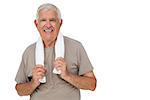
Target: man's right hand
(38,72)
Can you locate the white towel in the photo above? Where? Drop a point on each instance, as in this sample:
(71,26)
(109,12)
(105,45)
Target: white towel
(59,52)
(59,49)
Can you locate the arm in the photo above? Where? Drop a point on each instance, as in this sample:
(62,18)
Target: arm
(24,89)
(86,81)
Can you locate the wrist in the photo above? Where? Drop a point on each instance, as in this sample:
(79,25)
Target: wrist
(66,76)
(34,84)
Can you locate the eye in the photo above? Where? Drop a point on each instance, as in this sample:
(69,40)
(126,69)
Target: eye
(42,20)
(52,20)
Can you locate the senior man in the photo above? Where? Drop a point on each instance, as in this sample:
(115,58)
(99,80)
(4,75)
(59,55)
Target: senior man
(76,71)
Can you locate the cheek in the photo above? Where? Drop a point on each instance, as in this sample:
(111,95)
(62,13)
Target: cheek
(57,27)
(41,24)
(39,28)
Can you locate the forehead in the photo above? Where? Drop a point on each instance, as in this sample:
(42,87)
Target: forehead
(47,13)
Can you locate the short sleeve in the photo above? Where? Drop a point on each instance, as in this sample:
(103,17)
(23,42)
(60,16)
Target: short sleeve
(20,76)
(84,62)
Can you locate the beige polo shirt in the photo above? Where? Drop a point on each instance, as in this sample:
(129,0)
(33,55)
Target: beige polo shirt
(55,88)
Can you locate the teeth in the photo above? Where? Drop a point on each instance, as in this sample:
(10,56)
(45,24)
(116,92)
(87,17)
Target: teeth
(48,30)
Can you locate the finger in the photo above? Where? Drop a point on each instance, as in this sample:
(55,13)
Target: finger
(40,74)
(44,68)
(41,68)
(60,58)
(39,71)
(60,62)
(58,68)
(39,77)
(57,65)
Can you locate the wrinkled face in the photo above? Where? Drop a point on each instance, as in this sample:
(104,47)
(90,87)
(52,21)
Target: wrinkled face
(48,25)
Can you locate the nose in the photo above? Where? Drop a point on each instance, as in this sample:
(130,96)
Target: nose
(48,24)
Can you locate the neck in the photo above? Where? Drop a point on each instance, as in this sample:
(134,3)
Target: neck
(49,44)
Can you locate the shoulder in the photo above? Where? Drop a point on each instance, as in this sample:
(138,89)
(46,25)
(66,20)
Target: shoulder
(29,50)
(71,42)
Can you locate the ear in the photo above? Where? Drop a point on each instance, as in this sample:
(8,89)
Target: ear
(35,22)
(61,22)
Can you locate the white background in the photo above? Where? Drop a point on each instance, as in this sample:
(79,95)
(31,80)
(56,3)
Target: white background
(115,34)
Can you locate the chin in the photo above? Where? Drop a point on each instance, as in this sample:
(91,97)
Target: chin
(49,39)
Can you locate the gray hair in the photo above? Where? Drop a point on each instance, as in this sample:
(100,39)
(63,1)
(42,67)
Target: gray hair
(48,6)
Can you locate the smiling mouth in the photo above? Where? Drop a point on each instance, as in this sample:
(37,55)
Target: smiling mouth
(48,30)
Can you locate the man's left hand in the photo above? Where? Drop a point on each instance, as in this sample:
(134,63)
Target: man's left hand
(61,65)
